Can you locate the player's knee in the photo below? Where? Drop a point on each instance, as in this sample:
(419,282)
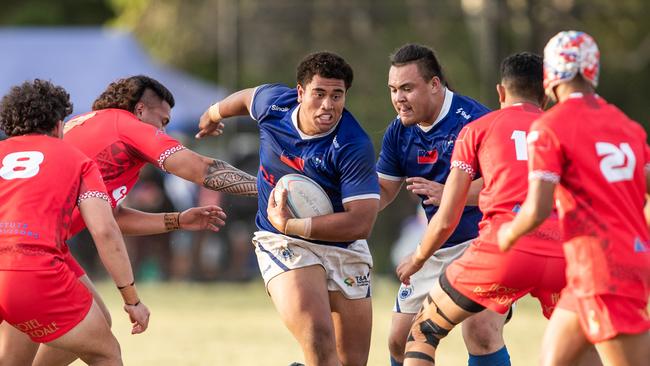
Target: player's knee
(355,357)
(482,337)
(396,343)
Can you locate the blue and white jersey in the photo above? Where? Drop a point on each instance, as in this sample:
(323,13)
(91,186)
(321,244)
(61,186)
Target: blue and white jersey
(342,160)
(425,152)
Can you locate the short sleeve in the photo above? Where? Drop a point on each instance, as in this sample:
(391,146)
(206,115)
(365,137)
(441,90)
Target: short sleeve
(92,184)
(147,142)
(545,154)
(356,163)
(264,98)
(647,160)
(388,164)
(464,156)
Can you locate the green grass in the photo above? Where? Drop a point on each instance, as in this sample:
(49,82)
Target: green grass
(236,324)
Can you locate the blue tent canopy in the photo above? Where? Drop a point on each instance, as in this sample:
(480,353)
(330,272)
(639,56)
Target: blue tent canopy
(84,60)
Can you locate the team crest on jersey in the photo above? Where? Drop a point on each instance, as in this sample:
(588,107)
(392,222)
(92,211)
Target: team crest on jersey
(427,156)
(405,292)
(287,254)
(119,194)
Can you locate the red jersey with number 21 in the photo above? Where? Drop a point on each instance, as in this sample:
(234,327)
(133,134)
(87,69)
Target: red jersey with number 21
(42,179)
(495,146)
(600,158)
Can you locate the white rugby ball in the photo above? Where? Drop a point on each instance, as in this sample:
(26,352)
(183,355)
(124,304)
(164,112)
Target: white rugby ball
(305,197)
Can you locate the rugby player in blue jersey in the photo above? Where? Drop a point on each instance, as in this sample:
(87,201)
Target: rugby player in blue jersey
(316,270)
(417,148)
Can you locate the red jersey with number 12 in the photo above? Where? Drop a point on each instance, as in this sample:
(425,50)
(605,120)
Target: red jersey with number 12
(600,158)
(42,179)
(120,144)
(495,146)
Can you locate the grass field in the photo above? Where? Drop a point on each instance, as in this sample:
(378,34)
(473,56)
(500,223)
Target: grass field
(236,324)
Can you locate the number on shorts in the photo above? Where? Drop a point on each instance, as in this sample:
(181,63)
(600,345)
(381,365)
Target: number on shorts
(521,149)
(618,162)
(21,164)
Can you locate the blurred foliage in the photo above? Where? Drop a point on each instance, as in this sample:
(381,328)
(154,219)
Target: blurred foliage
(248,42)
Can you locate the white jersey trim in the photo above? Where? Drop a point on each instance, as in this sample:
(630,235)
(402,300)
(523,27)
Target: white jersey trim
(446,106)
(545,176)
(374,196)
(464,167)
(95,194)
(167,153)
(390,177)
(250,107)
(304,136)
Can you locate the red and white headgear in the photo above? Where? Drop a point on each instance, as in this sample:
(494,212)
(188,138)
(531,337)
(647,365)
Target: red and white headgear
(567,54)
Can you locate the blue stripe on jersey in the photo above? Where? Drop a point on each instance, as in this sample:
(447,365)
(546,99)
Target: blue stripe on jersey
(341,161)
(273,258)
(414,152)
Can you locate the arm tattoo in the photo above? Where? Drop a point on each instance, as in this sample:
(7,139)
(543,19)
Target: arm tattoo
(221,176)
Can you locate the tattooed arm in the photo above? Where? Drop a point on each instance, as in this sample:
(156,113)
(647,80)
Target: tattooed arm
(212,173)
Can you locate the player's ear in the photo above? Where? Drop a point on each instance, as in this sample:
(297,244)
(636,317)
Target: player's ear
(436,85)
(138,109)
(57,131)
(301,92)
(501,91)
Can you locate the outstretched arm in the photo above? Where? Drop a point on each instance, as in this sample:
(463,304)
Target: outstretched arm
(236,104)
(213,174)
(135,222)
(442,224)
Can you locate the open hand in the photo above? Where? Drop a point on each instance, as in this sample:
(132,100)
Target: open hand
(424,187)
(202,218)
(208,126)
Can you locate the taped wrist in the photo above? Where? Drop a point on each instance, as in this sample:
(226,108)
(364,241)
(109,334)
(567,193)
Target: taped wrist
(129,294)
(172,221)
(213,112)
(298,227)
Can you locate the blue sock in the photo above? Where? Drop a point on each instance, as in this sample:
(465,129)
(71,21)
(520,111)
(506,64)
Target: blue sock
(498,358)
(394,362)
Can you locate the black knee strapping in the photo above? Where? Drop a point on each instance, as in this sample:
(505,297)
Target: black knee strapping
(419,356)
(461,300)
(439,311)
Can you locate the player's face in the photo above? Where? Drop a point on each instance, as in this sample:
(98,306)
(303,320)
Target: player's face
(154,112)
(322,101)
(412,96)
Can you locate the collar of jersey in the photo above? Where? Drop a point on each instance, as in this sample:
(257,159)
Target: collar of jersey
(446,105)
(304,136)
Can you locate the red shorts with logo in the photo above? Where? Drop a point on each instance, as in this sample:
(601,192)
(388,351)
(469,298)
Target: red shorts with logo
(496,280)
(44,304)
(605,316)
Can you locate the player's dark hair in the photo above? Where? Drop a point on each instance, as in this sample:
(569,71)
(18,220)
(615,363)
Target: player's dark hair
(324,64)
(33,107)
(522,74)
(423,56)
(126,93)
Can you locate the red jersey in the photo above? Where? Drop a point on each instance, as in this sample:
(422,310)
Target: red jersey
(42,179)
(120,144)
(600,158)
(495,146)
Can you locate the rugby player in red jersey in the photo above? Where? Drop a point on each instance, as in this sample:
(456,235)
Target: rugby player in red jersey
(125,131)
(595,160)
(494,147)
(42,180)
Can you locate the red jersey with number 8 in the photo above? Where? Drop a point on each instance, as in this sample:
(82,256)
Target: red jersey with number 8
(600,159)
(42,179)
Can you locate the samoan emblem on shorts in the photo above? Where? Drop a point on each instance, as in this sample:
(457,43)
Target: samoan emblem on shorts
(287,254)
(405,291)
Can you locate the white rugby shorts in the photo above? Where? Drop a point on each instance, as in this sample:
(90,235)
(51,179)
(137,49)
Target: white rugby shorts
(409,298)
(347,269)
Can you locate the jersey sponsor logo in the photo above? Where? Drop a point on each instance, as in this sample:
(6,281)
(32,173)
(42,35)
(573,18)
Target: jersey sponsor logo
(463,113)
(427,157)
(119,194)
(295,162)
(270,178)
(359,281)
(335,143)
(35,329)
(279,109)
(640,246)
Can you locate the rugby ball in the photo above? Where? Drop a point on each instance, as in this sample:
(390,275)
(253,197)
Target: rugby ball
(305,197)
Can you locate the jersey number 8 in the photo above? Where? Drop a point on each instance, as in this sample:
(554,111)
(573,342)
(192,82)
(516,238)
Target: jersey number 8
(22,164)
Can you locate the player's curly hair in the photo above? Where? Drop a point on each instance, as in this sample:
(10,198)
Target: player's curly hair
(127,92)
(423,56)
(324,64)
(522,74)
(33,107)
